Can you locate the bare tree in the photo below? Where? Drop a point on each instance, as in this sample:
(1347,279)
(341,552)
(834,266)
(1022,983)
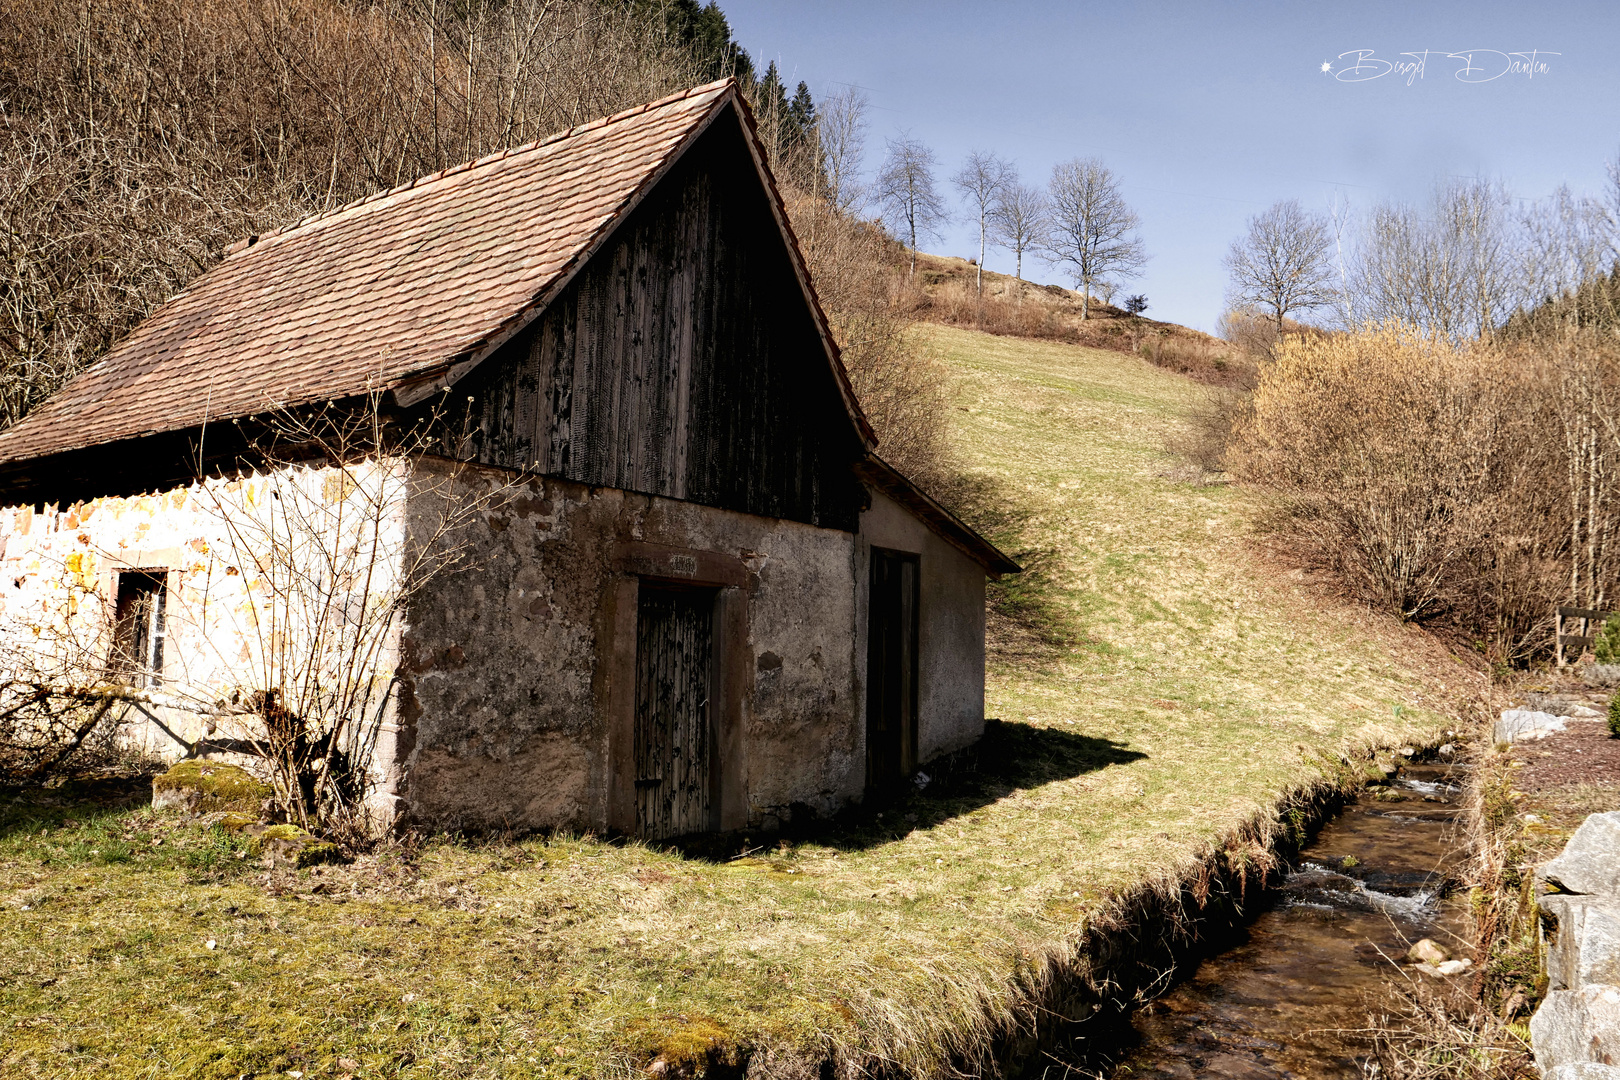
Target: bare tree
(1454,268)
(981,180)
(1092,228)
(841,135)
(1569,240)
(911,202)
(1019,221)
(1283,263)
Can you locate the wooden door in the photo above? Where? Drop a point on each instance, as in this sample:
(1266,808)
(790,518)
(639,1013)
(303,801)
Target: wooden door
(891,669)
(674,743)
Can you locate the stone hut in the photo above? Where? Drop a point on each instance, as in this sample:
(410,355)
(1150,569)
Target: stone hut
(699,600)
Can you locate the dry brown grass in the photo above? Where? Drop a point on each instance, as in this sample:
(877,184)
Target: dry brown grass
(944,292)
(1422,1034)
(1174,707)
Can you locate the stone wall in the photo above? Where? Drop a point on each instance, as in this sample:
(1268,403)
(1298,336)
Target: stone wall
(505,690)
(950,712)
(517,673)
(1575,1033)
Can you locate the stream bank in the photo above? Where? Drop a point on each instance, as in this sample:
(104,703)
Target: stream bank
(1266,959)
(1290,993)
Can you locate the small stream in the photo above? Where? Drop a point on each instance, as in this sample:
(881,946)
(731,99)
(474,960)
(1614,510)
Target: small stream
(1284,998)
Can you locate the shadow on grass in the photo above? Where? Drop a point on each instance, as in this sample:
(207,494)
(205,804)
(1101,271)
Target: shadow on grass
(24,809)
(1011,756)
(1028,623)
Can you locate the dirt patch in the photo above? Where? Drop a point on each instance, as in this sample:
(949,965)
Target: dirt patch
(1567,775)
(1584,754)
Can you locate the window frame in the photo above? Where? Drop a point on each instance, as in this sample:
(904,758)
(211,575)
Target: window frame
(140,601)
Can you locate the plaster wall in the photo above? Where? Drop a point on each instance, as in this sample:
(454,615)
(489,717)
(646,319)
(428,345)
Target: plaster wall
(950,712)
(226,547)
(517,673)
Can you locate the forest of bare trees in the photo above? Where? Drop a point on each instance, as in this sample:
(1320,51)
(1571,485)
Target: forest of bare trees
(138,141)
(1448,444)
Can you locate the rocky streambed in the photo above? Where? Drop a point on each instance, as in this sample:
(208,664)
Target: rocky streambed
(1289,996)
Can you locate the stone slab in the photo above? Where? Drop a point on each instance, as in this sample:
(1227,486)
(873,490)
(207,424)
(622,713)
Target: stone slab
(1590,862)
(1576,1026)
(1583,946)
(1584,1070)
(1521,725)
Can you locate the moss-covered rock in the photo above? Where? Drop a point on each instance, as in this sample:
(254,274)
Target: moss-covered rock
(234,821)
(319,853)
(289,843)
(200,787)
(685,1046)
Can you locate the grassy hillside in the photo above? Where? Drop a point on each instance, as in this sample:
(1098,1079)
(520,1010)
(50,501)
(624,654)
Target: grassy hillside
(1161,691)
(946,291)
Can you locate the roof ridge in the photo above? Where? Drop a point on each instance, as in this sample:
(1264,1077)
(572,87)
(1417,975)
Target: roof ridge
(250,242)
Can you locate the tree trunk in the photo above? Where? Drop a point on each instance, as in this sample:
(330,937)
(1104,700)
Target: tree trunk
(980,276)
(1085,299)
(912,222)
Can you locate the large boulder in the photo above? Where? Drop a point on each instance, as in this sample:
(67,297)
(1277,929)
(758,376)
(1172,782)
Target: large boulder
(1583,944)
(1518,725)
(1590,862)
(1575,1026)
(1584,1070)
(203,787)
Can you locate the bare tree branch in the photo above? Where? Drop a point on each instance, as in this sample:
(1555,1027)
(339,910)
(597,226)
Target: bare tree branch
(1093,230)
(1283,263)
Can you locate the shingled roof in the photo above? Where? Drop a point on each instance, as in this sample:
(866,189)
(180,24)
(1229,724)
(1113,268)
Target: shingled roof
(404,291)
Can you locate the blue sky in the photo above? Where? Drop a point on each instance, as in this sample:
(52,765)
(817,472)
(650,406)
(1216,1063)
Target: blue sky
(1209,112)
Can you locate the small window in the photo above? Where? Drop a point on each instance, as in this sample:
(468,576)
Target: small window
(138,630)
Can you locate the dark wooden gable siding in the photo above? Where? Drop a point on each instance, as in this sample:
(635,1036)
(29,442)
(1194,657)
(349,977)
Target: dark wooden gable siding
(682,361)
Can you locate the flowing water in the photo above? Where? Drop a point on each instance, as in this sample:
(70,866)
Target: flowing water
(1285,999)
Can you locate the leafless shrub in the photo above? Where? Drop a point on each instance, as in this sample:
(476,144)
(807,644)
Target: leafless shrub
(67,669)
(1248,330)
(300,567)
(138,140)
(1433,478)
(335,532)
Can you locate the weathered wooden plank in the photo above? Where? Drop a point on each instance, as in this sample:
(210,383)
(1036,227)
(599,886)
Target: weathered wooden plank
(1586,613)
(673,741)
(682,361)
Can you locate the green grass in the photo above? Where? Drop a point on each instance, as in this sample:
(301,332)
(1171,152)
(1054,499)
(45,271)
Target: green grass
(1162,688)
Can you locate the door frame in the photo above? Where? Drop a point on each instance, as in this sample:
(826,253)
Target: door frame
(614,680)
